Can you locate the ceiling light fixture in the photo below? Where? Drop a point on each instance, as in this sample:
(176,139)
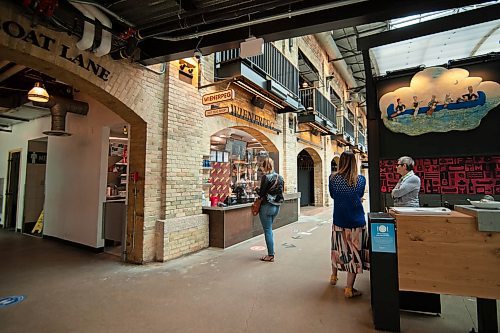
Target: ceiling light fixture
(38,93)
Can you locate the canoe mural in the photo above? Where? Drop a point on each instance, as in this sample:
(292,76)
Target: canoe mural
(439,100)
(391,112)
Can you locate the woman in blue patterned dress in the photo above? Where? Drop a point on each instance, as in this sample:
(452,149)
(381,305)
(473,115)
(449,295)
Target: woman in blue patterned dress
(349,235)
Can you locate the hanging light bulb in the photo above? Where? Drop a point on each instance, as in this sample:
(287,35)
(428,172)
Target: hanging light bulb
(125,130)
(38,93)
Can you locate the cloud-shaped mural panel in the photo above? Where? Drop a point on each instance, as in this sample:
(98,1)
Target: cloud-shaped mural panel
(439,100)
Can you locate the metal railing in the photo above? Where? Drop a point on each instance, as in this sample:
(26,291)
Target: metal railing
(361,139)
(348,127)
(272,62)
(313,100)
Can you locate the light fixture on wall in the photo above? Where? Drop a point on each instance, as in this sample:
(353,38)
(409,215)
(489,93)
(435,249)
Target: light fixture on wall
(125,130)
(38,93)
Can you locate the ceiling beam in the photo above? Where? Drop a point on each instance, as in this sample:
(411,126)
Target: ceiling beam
(455,21)
(187,5)
(155,51)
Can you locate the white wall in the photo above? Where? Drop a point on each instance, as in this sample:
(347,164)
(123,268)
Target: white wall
(18,140)
(76,173)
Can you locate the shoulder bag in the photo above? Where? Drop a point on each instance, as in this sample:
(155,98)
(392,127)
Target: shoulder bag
(256,206)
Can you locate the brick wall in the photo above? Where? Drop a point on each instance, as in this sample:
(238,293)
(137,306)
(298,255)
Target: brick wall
(131,91)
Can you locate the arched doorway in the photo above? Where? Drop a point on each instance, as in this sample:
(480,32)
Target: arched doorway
(334,165)
(305,178)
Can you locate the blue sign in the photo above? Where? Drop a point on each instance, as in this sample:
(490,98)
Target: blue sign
(11,300)
(383,237)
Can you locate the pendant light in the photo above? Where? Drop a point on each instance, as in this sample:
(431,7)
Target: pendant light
(38,93)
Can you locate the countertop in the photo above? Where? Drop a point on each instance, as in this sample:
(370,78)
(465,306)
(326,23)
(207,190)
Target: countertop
(229,207)
(487,219)
(115,198)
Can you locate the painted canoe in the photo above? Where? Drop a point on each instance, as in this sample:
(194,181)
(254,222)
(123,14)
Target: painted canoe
(451,106)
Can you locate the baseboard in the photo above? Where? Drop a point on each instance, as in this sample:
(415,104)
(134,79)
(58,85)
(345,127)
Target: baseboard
(74,244)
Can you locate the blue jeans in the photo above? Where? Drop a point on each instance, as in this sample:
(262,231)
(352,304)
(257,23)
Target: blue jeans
(267,214)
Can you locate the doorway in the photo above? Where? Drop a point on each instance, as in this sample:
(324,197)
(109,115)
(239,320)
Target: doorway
(305,175)
(11,195)
(34,191)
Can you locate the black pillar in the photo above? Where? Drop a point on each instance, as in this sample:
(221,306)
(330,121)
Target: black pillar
(384,272)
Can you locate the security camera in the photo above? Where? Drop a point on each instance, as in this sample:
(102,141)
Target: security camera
(198,54)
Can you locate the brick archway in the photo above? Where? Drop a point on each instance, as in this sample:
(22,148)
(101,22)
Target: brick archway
(122,92)
(318,176)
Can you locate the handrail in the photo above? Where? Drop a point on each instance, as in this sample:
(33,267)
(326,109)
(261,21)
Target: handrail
(313,100)
(272,62)
(348,127)
(361,138)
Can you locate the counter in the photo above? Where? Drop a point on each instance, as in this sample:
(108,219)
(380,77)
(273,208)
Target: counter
(115,217)
(447,254)
(233,224)
(487,219)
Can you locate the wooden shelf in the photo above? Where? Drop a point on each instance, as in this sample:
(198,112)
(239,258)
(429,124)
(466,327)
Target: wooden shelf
(120,163)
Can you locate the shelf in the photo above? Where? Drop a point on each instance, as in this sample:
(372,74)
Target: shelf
(123,175)
(120,163)
(206,168)
(207,184)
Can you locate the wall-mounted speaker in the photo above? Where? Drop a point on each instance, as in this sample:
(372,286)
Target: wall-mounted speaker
(258,102)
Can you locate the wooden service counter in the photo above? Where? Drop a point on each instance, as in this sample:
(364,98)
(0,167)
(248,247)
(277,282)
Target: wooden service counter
(446,254)
(233,224)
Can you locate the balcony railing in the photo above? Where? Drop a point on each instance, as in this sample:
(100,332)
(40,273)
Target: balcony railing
(272,63)
(313,100)
(361,139)
(348,127)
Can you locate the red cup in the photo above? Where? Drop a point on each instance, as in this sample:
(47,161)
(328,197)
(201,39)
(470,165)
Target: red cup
(214,201)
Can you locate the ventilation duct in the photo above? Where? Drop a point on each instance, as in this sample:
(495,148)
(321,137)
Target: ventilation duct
(59,107)
(105,45)
(87,39)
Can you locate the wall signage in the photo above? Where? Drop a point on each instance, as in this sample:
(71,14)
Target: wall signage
(16,30)
(219,96)
(383,237)
(217,111)
(251,117)
(448,175)
(36,157)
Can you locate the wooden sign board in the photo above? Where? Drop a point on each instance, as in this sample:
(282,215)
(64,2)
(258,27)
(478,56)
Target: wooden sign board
(219,96)
(216,112)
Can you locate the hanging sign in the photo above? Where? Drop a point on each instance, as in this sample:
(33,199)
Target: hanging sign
(383,237)
(219,96)
(217,111)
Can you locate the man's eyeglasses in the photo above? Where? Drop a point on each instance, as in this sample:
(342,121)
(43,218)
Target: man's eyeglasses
(400,164)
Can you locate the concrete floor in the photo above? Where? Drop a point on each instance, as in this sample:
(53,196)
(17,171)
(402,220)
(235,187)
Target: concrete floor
(71,290)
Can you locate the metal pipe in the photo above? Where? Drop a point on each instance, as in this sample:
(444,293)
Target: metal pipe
(207,17)
(59,107)
(106,10)
(261,20)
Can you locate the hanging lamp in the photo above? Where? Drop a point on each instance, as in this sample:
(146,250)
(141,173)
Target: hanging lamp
(38,93)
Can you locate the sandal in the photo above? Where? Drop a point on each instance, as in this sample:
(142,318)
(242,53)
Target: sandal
(333,279)
(267,258)
(351,292)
